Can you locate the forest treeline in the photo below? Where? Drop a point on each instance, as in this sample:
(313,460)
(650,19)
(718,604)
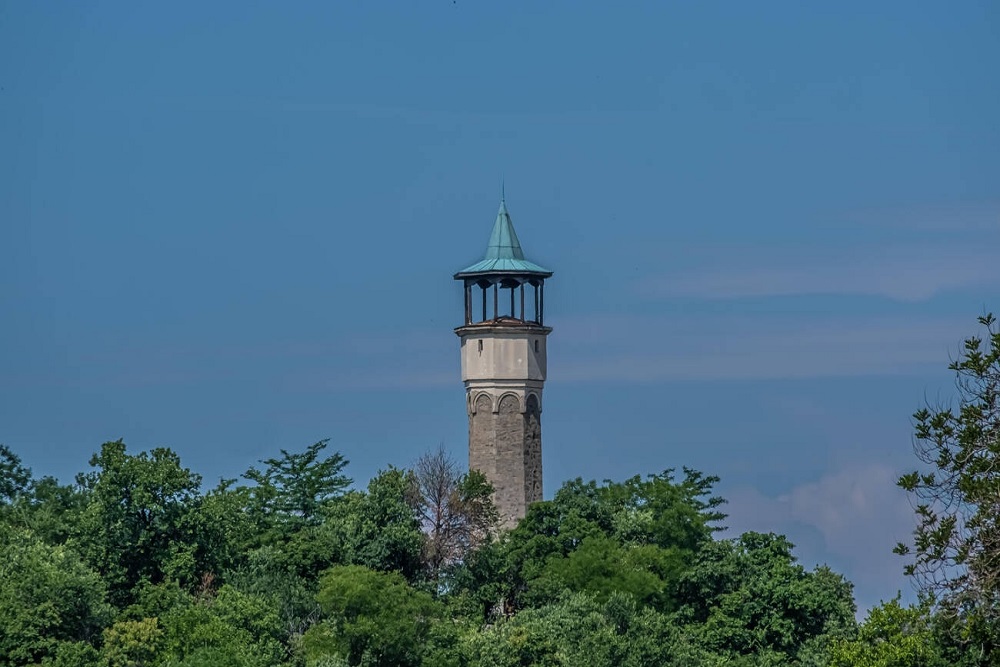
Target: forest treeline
(136,563)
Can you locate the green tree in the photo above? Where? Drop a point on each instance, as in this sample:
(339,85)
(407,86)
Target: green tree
(296,489)
(290,507)
(132,643)
(602,566)
(73,654)
(380,529)
(230,628)
(748,596)
(15,479)
(266,572)
(576,629)
(156,600)
(136,526)
(221,529)
(570,631)
(373,618)
(52,510)
(956,549)
(659,522)
(891,636)
(48,597)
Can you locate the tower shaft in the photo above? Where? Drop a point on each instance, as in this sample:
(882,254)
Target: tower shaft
(503,368)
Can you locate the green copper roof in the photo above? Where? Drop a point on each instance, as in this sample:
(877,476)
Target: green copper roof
(503,254)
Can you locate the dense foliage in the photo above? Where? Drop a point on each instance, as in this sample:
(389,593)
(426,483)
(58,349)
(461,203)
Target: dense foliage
(136,564)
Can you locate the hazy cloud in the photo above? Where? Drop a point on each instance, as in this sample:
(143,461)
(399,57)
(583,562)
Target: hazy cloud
(850,518)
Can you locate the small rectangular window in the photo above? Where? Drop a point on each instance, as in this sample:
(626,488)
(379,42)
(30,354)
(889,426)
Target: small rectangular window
(536,346)
(480,346)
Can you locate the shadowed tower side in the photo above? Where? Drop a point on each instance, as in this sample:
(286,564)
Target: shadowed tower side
(503,368)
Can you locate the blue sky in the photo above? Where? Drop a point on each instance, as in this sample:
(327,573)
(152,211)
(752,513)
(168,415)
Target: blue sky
(231,228)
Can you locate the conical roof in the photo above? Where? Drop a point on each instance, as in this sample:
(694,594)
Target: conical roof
(503,253)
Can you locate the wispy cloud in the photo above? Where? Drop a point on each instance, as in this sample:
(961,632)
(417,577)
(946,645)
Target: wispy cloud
(406,359)
(712,348)
(907,254)
(377,380)
(909,274)
(952,218)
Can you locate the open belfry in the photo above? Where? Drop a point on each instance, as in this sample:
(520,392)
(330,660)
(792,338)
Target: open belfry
(503,367)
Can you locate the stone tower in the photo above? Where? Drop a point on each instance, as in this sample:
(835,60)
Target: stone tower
(503,367)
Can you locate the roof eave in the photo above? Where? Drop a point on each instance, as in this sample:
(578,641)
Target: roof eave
(476,274)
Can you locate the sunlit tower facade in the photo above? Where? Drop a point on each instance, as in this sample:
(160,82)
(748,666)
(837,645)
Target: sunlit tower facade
(503,367)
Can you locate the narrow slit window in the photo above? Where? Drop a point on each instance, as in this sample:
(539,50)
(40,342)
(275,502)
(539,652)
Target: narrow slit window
(480,346)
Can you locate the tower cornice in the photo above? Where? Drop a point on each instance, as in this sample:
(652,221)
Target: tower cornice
(502,327)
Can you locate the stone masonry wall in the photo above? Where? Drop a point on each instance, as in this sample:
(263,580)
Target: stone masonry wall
(482,441)
(532,451)
(506,446)
(509,481)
